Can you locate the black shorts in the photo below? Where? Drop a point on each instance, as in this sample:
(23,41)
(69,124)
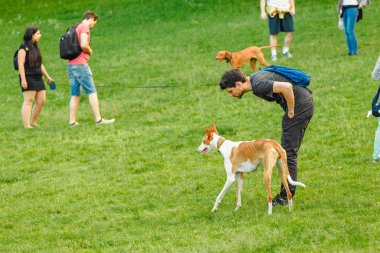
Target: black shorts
(277,25)
(34,83)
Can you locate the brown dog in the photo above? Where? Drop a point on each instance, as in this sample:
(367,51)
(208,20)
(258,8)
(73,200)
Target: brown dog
(239,59)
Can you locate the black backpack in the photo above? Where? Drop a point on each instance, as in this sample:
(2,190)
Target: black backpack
(15,60)
(376,104)
(69,47)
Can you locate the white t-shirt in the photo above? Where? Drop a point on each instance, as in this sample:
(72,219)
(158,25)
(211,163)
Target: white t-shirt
(350,2)
(282,5)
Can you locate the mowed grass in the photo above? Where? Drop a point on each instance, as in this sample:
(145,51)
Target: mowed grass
(139,185)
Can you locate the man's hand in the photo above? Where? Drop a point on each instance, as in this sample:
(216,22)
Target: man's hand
(263,16)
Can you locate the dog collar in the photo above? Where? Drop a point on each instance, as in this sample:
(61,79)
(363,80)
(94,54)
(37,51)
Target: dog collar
(220,142)
(229,59)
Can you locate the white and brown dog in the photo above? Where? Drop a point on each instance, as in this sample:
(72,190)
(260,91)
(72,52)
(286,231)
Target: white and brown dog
(245,156)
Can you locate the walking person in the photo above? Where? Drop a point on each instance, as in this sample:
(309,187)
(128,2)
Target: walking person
(350,12)
(295,100)
(376,145)
(80,73)
(280,19)
(31,69)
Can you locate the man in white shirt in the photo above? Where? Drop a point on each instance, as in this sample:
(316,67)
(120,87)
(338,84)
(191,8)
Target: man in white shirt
(280,16)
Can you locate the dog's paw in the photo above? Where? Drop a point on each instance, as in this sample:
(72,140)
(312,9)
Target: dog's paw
(213,210)
(237,208)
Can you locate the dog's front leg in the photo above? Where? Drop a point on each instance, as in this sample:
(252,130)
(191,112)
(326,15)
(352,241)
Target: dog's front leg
(229,181)
(239,178)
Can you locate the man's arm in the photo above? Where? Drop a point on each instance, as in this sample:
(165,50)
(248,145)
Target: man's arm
(292,7)
(84,44)
(286,89)
(263,13)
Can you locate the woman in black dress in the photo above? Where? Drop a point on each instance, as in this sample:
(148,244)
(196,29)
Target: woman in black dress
(31,70)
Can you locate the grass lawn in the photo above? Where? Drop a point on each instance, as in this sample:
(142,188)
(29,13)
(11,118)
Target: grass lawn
(139,185)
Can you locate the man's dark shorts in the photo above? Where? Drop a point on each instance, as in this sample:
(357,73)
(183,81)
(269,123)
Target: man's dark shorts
(277,25)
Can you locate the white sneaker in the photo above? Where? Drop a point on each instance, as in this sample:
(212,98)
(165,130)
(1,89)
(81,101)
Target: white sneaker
(74,124)
(287,54)
(274,57)
(105,121)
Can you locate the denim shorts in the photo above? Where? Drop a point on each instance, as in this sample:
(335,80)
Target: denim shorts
(81,75)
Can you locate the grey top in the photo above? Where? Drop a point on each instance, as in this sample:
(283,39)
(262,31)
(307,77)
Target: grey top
(262,85)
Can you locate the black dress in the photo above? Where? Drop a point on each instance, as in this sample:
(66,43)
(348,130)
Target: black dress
(33,75)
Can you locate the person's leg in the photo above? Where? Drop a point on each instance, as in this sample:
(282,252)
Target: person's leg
(274,29)
(273,43)
(74,75)
(292,136)
(87,83)
(376,144)
(40,101)
(288,39)
(74,104)
(288,27)
(94,103)
(349,21)
(26,109)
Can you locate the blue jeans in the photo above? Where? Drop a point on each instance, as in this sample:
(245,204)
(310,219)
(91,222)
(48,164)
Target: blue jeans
(80,76)
(349,21)
(376,144)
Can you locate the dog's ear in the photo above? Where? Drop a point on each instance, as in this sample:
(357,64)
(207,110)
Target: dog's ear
(213,128)
(209,134)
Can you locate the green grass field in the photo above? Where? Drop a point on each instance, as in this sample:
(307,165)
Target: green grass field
(139,185)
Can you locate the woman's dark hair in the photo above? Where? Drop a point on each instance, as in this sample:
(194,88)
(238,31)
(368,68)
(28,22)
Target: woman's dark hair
(230,77)
(34,51)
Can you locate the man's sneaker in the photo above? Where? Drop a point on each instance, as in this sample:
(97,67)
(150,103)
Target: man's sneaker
(279,200)
(74,124)
(105,121)
(274,57)
(287,54)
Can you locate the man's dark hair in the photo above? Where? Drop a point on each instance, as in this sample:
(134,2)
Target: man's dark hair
(90,14)
(230,77)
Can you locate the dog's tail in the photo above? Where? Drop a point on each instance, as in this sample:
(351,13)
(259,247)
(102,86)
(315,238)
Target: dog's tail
(295,183)
(270,46)
(284,164)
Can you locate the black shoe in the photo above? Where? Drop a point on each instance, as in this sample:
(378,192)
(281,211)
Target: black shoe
(279,200)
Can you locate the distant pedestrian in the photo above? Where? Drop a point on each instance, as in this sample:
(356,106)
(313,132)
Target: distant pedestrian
(31,69)
(80,73)
(376,145)
(350,12)
(280,16)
